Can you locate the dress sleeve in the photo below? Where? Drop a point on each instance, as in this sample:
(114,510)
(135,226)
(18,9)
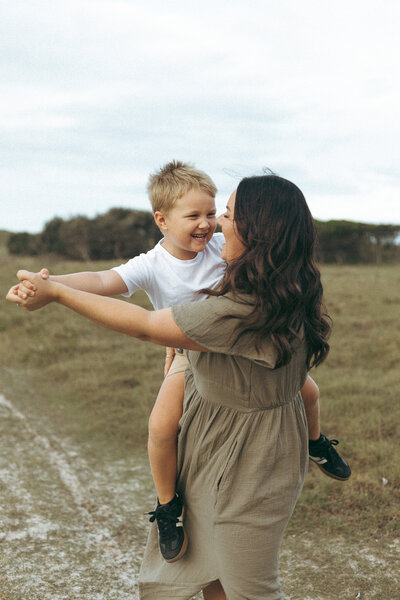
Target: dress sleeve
(212,324)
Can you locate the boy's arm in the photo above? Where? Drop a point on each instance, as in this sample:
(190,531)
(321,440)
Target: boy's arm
(158,326)
(102,283)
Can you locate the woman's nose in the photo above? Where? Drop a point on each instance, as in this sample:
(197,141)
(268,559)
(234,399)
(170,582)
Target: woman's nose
(219,220)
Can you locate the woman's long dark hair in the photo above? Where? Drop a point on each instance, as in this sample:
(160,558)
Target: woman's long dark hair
(278,268)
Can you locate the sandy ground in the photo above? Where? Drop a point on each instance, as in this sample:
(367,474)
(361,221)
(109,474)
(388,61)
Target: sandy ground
(66,530)
(70,530)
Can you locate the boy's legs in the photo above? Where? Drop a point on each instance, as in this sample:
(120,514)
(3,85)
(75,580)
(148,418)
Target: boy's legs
(321,450)
(214,591)
(163,430)
(310,395)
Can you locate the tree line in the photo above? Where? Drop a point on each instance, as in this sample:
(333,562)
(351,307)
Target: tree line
(119,233)
(122,233)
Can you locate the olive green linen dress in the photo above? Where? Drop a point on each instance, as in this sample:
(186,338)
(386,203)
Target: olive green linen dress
(242,458)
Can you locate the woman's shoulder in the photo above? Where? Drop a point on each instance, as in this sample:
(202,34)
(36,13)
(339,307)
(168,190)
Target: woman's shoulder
(213,307)
(237,302)
(214,322)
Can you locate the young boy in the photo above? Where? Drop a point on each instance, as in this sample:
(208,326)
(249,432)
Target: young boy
(186,260)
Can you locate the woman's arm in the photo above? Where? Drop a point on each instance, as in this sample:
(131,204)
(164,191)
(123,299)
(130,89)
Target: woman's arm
(158,326)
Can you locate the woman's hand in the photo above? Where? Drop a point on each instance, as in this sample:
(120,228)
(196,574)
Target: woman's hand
(33,291)
(169,357)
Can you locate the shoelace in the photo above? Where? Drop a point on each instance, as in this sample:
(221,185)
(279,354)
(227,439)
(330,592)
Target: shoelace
(165,520)
(329,449)
(325,447)
(333,442)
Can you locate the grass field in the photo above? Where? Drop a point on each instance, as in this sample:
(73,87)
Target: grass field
(96,388)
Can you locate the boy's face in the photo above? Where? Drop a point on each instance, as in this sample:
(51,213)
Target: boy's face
(189,225)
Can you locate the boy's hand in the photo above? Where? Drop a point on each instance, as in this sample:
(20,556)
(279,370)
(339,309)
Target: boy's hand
(32,292)
(44,273)
(26,288)
(169,357)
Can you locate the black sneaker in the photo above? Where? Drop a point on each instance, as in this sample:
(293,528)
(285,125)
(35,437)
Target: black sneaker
(323,453)
(172,537)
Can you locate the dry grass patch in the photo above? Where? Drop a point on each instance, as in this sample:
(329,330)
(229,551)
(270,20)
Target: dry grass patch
(96,388)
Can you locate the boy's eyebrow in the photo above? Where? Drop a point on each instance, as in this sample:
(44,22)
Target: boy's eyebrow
(195,211)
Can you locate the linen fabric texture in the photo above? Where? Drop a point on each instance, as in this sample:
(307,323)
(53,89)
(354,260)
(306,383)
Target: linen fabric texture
(242,459)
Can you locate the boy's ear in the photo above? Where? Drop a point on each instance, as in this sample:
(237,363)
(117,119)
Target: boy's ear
(160,219)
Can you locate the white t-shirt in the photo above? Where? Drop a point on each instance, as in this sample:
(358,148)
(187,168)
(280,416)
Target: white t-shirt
(168,280)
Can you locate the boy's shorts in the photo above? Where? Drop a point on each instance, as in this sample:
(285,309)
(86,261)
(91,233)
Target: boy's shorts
(179,363)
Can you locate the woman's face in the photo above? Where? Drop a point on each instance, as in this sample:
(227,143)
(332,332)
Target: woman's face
(233,247)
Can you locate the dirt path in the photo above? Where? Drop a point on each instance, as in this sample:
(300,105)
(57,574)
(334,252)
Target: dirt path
(70,530)
(66,531)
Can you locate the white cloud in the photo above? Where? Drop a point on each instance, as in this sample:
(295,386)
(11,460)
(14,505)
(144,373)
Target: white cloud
(96,94)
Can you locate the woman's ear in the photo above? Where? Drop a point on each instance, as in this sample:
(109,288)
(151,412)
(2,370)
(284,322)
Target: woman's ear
(160,219)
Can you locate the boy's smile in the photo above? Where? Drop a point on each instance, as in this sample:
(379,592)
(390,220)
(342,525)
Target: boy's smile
(189,225)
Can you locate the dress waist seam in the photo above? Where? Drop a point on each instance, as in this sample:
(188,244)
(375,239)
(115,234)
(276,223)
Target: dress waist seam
(245,409)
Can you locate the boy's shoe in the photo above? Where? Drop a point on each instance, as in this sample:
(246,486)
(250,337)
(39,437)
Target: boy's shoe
(330,462)
(172,537)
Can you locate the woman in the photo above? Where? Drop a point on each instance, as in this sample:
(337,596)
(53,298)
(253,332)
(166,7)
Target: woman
(242,448)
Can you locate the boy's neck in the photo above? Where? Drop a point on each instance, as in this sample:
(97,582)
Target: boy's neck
(178,252)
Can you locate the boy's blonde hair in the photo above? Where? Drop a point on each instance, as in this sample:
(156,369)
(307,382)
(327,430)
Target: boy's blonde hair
(174,180)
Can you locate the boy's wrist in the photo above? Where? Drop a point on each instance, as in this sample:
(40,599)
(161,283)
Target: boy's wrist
(57,291)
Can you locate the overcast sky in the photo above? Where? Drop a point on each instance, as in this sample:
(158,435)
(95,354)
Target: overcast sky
(94,95)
